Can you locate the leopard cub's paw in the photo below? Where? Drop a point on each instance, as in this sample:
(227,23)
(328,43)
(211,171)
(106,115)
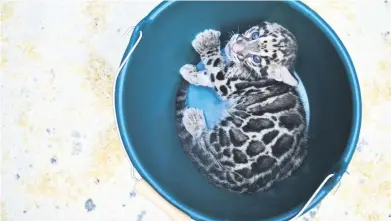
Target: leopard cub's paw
(189,73)
(187,69)
(206,41)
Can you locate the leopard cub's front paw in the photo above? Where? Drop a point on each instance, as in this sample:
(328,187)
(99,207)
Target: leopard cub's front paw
(189,73)
(187,69)
(206,41)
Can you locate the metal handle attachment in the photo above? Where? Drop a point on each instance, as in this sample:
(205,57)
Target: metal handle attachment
(312,197)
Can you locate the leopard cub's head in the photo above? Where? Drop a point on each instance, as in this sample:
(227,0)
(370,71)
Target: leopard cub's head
(268,50)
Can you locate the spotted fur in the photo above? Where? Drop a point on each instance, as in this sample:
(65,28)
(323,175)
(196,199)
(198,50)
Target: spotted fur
(262,137)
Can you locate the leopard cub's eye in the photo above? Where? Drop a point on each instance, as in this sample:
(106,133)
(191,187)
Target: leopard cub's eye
(256,59)
(255,35)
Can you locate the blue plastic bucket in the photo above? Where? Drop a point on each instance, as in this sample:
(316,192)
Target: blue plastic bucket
(145,93)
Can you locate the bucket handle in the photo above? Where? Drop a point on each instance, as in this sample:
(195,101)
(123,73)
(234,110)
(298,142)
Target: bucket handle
(144,189)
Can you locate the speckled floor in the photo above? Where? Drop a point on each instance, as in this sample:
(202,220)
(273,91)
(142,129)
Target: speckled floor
(61,158)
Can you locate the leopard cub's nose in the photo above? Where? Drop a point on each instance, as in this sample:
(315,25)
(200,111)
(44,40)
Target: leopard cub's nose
(237,48)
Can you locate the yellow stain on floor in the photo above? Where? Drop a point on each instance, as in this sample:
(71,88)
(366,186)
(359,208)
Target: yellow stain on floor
(7,10)
(29,50)
(99,79)
(373,192)
(366,189)
(67,186)
(376,91)
(96,12)
(108,155)
(23,120)
(46,184)
(57,186)
(374,217)
(3,214)
(5,157)
(337,5)
(385,66)
(4,42)
(350,16)
(3,61)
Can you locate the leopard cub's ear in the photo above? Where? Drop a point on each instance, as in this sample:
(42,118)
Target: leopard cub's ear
(281,73)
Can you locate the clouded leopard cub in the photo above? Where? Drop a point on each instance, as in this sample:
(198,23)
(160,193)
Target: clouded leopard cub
(262,137)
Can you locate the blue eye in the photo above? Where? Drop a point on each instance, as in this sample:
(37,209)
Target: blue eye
(256,59)
(255,35)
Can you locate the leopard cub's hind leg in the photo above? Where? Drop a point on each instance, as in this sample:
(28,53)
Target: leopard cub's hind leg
(194,121)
